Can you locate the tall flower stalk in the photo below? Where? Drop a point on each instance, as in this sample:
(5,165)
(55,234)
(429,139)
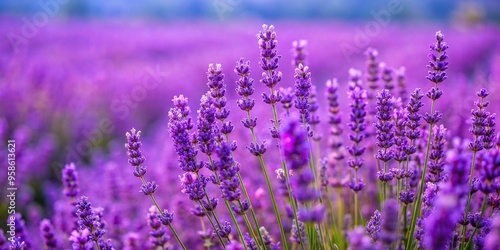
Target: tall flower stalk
(136,159)
(436,75)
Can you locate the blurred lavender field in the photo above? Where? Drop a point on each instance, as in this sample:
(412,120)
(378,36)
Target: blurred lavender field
(72,92)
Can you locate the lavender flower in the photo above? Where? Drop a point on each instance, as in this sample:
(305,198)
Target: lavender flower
(298,235)
(358,125)
(428,200)
(136,159)
(90,220)
(179,126)
(313,109)
(385,133)
(18,244)
(413,124)
(373,226)
(245,89)
(250,242)
(436,156)
(287,95)
(194,186)
(299,52)
(157,236)
(401,78)
(295,146)
(489,133)
(217,90)
(302,92)
(439,226)
(358,240)
(373,66)
(492,241)
(205,124)
(228,170)
(269,63)
(3,241)
(479,117)
(70,181)
(389,226)
(436,75)
(490,171)
(47,232)
(20,230)
(266,236)
(387,77)
(80,239)
(438,63)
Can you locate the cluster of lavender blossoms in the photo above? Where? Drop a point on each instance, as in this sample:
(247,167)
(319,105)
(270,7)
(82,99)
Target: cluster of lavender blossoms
(377,173)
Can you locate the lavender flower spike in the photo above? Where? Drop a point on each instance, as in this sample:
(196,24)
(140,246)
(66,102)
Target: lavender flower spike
(70,181)
(299,52)
(302,91)
(47,232)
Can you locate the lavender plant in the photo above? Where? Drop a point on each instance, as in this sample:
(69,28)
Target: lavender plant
(390,182)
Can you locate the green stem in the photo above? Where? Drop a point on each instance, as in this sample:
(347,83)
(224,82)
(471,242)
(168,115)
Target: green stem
(469,196)
(162,214)
(418,201)
(269,187)
(236,224)
(483,208)
(213,225)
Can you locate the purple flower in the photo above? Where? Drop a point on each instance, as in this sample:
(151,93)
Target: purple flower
(245,87)
(335,121)
(18,244)
(358,240)
(401,78)
(389,225)
(149,188)
(373,226)
(224,230)
(428,200)
(373,67)
(385,125)
(194,186)
(438,64)
(400,121)
(217,90)
(91,219)
(157,236)
(302,91)
(489,133)
(265,236)
(298,235)
(413,108)
(299,52)
(133,146)
(80,239)
(489,171)
(439,226)
(48,236)
(228,170)
(179,126)
(436,155)
(70,181)
(295,146)
(287,95)
(492,241)
(269,63)
(250,242)
(387,77)
(479,117)
(358,125)
(205,124)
